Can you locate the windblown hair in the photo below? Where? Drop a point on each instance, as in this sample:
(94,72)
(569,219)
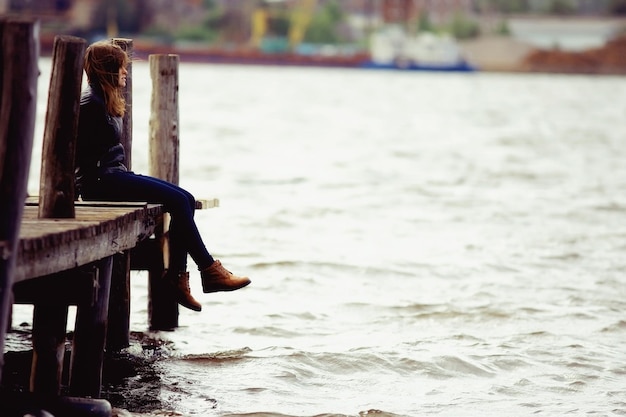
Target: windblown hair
(103,61)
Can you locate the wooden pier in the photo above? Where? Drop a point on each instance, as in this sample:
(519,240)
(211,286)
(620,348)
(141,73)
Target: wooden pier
(63,262)
(55,251)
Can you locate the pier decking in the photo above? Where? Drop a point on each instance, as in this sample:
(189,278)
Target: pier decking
(99,230)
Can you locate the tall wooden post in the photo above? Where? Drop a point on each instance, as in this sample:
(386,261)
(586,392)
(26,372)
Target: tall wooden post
(118,336)
(56,189)
(56,200)
(164,132)
(164,158)
(18,101)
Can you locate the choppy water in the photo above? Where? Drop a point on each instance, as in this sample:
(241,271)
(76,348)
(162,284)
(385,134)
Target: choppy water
(419,244)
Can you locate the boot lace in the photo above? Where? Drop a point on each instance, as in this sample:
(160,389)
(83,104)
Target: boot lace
(183,281)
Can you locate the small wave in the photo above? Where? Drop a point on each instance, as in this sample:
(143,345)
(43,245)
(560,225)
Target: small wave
(566,256)
(615,327)
(444,311)
(368,413)
(18,340)
(120,412)
(305,265)
(502,268)
(271,331)
(150,344)
(223,356)
(453,366)
(273,181)
(612,207)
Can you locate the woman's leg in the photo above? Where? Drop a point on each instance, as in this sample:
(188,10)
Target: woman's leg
(184,235)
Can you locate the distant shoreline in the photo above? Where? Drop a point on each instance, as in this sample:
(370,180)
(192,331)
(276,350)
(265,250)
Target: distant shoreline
(485,54)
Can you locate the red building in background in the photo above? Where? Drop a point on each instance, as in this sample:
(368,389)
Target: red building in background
(398,11)
(402,11)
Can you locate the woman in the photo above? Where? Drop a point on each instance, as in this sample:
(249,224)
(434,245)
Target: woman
(102,175)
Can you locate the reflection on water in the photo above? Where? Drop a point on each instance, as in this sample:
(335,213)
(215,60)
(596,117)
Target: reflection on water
(419,244)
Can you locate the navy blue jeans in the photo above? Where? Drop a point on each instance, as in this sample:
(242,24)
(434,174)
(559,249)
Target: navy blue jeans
(183,233)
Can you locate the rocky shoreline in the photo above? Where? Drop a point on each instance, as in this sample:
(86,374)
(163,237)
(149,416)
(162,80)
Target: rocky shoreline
(131,382)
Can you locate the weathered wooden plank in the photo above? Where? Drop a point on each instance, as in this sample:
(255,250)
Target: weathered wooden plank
(207,203)
(104,218)
(201,203)
(47,246)
(34,201)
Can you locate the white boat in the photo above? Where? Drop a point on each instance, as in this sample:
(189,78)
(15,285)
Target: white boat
(392,48)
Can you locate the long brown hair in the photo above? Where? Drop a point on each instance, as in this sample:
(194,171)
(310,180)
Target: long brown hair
(103,61)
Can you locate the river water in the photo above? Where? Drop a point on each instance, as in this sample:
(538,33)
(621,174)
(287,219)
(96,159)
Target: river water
(419,244)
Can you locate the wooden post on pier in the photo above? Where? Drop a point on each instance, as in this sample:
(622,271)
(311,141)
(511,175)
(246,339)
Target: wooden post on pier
(56,200)
(19,71)
(56,189)
(164,132)
(164,141)
(118,336)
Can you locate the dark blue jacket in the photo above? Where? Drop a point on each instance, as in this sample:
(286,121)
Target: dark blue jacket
(98,148)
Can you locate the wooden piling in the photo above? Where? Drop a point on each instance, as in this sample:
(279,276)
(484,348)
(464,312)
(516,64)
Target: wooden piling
(118,331)
(49,327)
(164,160)
(89,336)
(56,187)
(18,102)
(118,336)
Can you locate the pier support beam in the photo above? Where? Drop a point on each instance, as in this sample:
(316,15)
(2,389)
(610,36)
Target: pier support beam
(18,101)
(164,140)
(89,335)
(49,327)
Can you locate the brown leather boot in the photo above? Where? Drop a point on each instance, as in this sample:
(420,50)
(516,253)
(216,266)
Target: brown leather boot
(217,278)
(180,283)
